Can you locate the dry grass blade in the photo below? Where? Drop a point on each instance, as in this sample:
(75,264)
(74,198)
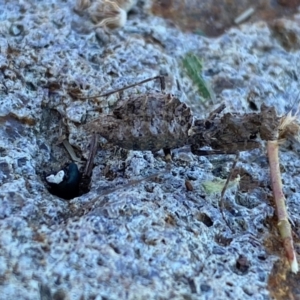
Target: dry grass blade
(90,162)
(106,13)
(71,152)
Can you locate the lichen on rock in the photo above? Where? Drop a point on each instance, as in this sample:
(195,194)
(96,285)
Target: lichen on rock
(145,238)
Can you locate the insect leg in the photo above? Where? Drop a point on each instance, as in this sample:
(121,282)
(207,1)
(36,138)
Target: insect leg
(221,203)
(217,152)
(160,77)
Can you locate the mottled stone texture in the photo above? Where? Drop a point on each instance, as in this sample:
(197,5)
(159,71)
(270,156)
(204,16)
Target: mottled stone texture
(151,239)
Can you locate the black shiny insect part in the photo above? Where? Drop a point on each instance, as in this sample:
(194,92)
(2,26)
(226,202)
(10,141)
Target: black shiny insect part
(68,187)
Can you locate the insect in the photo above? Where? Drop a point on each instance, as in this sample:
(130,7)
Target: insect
(157,121)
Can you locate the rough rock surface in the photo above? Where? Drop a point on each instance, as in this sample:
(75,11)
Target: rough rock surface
(153,239)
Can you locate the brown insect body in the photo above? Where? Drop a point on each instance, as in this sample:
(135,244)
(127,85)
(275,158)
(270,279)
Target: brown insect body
(157,121)
(146,122)
(234,132)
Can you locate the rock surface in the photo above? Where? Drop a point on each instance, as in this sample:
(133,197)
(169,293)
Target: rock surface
(148,239)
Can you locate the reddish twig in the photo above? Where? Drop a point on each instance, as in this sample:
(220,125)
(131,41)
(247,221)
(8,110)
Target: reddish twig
(283,224)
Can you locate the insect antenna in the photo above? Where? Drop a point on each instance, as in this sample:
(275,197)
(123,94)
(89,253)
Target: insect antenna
(160,77)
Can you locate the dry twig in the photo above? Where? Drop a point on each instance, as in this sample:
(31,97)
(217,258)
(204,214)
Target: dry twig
(288,127)
(283,224)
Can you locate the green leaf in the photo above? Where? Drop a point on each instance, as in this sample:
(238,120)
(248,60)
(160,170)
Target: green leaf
(193,66)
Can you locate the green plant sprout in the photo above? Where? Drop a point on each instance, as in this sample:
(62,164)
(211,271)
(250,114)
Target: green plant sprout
(193,66)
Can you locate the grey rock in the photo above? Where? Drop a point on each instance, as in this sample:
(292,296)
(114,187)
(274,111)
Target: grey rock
(145,239)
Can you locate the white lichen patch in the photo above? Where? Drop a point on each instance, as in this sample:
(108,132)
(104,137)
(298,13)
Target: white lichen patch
(76,112)
(57,178)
